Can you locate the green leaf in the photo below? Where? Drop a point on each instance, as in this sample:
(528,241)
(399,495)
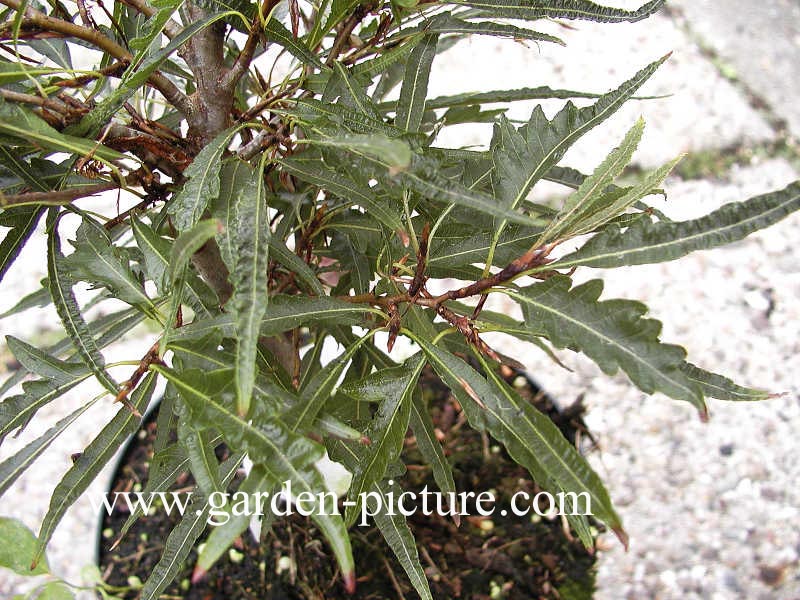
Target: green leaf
(560,9)
(394,154)
(352,95)
(318,390)
(393,389)
(523,156)
(411,105)
(429,446)
(497,96)
(446,23)
(61,282)
(17,410)
(339,113)
(580,202)
(425,177)
(157,255)
(385,60)
(23,221)
(722,388)
(455,246)
(17,544)
(14,466)
(283,454)
(165,468)
(613,333)
(295,264)
(340,9)
(393,527)
(250,234)
(97,261)
(274,31)
(333,427)
(151,30)
(183,536)
(187,244)
(223,535)
(619,200)
(93,459)
(647,242)
(43,364)
(21,123)
(312,169)
(202,186)
(285,313)
(530,437)
(202,460)
(38,299)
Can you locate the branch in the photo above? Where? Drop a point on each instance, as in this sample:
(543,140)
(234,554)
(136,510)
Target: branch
(239,68)
(54,105)
(57,197)
(343,37)
(45,22)
(204,54)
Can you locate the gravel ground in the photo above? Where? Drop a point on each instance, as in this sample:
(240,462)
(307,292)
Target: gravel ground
(712,509)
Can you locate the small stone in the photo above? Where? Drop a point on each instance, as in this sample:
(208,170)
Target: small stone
(726,449)
(772,576)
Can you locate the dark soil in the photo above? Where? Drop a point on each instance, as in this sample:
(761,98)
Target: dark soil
(508,557)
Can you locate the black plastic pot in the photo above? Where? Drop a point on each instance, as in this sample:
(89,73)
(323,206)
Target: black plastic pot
(507,557)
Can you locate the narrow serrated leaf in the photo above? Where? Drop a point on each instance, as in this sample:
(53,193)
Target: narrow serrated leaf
(97,261)
(15,465)
(25,221)
(393,389)
(187,244)
(446,23)
(313,170)
(283,454)
(21,123)
(250,234)
(43,364)
(613,333)
(202,186)
(648,242)
(285,313)
(579,203)
(157,256)
(722,388)
(561,9)
(411,105)
(183,537)
(429,446)
(60,283)
(619,202)
(225,533)
(274,31)
(392,525)
(530,437)
(94,458)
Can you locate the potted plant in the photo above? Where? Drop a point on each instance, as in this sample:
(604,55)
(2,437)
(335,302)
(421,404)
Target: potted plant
(276,195)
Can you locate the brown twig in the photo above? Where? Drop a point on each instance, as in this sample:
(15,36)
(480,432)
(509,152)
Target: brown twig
(112,70)
(39,21)
(127,387)
(57,197)
(239,68)
(342,39)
